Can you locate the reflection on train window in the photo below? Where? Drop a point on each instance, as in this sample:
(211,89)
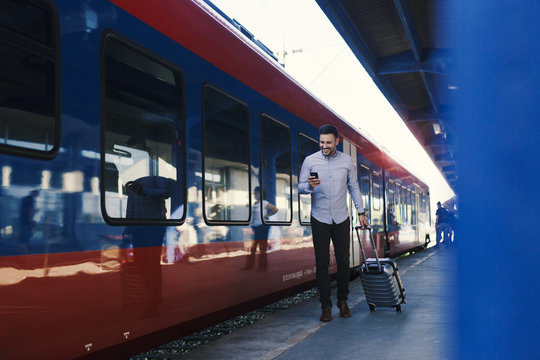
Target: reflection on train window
(275,172)
(408,206)
(306,147)
(226,157)
(391,209)
(365,189)
(142,135)
(410,198)
(403,204)
(391,195)
(376,190)
(29,94)
(423,208)
(415,206)
(397,206)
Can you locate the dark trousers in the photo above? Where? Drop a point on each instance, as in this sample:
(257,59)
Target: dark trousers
(260,240)
(340,235)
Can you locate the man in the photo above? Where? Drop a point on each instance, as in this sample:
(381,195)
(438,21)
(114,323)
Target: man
(451,206)
(260,230)
(442,225)
(326,175)
(26,219)
(146,201)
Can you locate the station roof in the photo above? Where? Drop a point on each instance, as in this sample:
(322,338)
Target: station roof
(405,46)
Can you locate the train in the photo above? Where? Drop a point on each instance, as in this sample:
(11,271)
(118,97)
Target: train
(132,137)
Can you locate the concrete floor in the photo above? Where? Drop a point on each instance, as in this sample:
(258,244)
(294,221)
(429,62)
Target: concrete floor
(421,331)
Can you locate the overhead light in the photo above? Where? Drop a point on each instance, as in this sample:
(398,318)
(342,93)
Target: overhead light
(453,87)
(436,128)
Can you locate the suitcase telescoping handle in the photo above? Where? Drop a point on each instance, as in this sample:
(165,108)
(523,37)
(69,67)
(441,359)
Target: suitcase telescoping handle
(357,228)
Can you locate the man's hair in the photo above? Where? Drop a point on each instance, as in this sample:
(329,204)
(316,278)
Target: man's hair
(328,129)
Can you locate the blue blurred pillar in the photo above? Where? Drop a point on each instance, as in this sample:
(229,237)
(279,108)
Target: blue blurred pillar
(498,274)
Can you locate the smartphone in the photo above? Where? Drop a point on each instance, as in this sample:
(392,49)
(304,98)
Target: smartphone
(314,173)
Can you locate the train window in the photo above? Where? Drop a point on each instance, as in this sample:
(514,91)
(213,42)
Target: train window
(391,208)
(306,147)
(142,135)
(29,89)
(376,190)
(409,206)
(422,205)
(397,203)
(363,177)
(425,206)
(226,158)
(403,198)
(275,171)
(414,202)
(391,193)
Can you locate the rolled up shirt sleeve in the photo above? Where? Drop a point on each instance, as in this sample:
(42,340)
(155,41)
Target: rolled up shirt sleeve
(303,185)
(354,188)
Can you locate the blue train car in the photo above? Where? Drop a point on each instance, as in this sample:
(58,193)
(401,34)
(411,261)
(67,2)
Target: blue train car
(132,137)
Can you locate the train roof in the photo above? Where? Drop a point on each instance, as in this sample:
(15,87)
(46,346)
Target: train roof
(239,56)
(395,168)
(406,48)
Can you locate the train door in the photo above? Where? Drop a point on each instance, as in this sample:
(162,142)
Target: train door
(377,205)
(390,217)
(414,215)
(354,252)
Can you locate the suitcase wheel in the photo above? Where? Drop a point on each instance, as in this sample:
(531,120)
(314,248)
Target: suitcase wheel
(372,307)
(398,308)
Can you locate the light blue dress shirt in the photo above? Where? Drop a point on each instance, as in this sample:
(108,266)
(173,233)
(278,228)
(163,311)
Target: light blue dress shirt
(329,199)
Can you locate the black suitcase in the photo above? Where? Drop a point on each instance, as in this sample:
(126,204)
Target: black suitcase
(380,279)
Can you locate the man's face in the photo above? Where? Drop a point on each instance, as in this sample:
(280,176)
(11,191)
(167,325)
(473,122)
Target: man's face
(328,144)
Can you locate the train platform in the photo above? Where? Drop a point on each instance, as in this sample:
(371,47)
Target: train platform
(421,331)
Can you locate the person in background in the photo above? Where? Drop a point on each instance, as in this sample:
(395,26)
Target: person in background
(146,201)
(442,226)
(260,230)
(327,175)
(27,223)
(451,206)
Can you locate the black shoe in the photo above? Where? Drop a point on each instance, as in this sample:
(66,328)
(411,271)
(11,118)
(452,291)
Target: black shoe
(326,315)
(344,310)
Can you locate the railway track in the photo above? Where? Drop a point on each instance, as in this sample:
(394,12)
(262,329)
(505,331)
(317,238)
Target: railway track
(188,343)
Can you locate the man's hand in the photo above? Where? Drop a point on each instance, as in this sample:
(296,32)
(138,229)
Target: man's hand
(314,181)
(363,221)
